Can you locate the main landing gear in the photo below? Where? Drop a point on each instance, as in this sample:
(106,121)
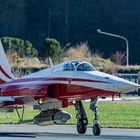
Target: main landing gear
(82,120)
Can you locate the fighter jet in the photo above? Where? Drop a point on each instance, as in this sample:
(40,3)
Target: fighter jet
(57,87)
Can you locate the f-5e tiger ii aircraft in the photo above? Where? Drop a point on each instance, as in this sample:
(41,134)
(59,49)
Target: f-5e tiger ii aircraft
(58,87)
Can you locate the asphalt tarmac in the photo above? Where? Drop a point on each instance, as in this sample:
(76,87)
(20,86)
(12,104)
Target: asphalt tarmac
(66,132)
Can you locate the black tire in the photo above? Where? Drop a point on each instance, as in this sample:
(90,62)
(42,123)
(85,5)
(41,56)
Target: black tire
(96,129)
(81,127)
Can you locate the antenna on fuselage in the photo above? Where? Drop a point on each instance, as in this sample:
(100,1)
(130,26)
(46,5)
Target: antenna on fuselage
(50,62)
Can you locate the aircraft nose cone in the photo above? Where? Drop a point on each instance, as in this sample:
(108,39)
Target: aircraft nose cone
(127,86)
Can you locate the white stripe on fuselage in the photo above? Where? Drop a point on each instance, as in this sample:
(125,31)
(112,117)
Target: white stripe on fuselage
(96,85)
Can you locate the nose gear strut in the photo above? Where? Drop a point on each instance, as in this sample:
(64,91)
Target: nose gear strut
(96,129)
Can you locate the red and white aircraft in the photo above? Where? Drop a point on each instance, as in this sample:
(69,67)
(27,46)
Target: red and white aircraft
(58,87)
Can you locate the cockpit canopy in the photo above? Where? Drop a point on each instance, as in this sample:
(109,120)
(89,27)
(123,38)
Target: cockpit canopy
(85,67)
(74,65)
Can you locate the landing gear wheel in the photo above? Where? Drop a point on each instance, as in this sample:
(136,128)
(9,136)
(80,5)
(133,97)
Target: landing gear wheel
(81,127)
(96,129)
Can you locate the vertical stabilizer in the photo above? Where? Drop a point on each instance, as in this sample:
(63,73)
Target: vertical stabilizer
(5,71)
(50,62)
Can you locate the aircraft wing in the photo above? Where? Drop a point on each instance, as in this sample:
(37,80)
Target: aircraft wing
(6,98)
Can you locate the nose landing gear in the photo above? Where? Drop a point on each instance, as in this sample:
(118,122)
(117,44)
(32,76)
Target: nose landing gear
(96,129)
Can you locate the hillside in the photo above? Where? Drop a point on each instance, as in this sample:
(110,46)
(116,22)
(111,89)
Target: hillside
(74,21)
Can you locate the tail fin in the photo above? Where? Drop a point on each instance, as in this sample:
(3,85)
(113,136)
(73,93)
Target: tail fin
(50,62)
(5,71)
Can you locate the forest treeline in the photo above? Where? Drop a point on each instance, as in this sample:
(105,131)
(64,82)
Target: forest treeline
(24,58)
(74,21)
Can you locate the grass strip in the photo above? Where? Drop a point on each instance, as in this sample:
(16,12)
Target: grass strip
(117,114)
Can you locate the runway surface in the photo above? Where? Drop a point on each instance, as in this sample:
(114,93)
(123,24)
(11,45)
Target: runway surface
(67,132)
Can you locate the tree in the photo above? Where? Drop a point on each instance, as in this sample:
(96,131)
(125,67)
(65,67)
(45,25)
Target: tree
(79,51)
(18,51)
(118,57)
(52,49)
(23,48)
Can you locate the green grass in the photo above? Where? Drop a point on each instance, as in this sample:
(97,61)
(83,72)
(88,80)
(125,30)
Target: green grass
(12,118)
(112,114)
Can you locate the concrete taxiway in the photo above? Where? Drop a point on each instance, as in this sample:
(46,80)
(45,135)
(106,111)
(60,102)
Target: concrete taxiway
(67,132)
